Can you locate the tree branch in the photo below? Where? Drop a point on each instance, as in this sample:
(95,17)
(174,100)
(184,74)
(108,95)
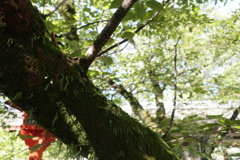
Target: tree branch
(135,105)
(158,92)
(56,8)
(175,90)
(136,31)
(108,31)
(74,30)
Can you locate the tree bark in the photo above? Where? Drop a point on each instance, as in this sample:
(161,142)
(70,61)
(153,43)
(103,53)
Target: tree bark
(37,77)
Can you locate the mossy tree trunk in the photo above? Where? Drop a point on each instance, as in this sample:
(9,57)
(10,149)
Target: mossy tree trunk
(37,77)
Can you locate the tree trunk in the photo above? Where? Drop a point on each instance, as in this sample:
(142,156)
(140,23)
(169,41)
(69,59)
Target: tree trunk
(37,77)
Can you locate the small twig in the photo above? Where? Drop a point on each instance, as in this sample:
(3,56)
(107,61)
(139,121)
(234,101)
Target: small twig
(16,154)
(74,30)
(115,51)
(111,53)
(26,149)
(175,90)
(56,8)
(110,48)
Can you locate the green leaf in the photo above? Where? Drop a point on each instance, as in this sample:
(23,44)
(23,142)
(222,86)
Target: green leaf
(73,44)
(205,155)
(213,125)
(181,95)
(55,118)
(24,136)
(110,41)
(155,5)
(196,9)
(75,54)
(115,4)
(176,24)
(164,123)
(128,35)
(213,116)
(140,10)
(185,2)
(199,1)
(231,122)
(237,127)
(221,121)
(190,29)
(107,60)
(185,133)
(94,73)
(18,96)
(199,90)
(36,147)
(130,16)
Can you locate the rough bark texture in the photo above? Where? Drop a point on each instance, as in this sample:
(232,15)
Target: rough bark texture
(36,76)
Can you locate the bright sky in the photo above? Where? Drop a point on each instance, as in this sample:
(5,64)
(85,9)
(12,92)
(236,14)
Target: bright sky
(231,5)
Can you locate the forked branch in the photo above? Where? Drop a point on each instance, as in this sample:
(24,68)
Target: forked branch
(108,30)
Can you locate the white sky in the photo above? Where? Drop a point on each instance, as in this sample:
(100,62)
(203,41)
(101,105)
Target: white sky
(231,5)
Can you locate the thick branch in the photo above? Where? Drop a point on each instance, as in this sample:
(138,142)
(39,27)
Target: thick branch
(108,30)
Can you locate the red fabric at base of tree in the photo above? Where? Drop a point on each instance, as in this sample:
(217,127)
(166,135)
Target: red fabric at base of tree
(41,140)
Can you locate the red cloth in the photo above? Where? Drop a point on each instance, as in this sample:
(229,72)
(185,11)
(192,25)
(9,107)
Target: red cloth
(41,136)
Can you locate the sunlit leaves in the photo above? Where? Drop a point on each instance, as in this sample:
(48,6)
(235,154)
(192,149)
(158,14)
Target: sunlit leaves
(140,10)
(115,3)
(76,54)
(128,35)
(25,136)
(228,122)
(36,147)
(107,60)
(130,16)
(12,147)
(110,41)
(155,5)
